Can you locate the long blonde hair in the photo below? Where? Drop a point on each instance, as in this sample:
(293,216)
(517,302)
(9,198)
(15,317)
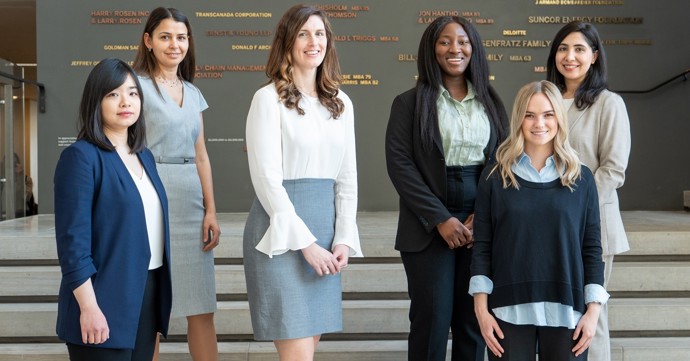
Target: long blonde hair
(508,153)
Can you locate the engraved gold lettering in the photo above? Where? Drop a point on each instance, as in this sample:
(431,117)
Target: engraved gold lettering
(520,58)
(514,32)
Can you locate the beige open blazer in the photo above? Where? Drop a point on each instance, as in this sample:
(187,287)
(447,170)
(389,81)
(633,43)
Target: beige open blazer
(601,136)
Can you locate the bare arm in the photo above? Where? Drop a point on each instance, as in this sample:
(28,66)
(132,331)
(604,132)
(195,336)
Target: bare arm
(203,166)
(586,328)
(487,324)
(94,326)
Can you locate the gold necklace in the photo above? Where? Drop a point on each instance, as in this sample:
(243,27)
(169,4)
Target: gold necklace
(170,83)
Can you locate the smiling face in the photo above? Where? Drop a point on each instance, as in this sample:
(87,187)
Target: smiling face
(310,45)
(453,51)
(539,125)
(169,43)
(574,57)
(120,107)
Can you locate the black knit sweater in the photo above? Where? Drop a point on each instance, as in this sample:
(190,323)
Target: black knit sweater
(541,243)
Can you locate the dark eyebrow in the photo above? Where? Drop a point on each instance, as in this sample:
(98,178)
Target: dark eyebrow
(167,33)
(566,44)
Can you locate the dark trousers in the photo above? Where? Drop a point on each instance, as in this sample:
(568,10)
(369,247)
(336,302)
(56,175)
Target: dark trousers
(438,280)
(146,332)
(520,343)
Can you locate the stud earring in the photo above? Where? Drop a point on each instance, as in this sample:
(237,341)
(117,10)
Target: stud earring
(150,49)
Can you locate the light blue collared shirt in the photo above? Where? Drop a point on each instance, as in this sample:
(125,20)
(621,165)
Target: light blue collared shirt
(464,127)
(550,314)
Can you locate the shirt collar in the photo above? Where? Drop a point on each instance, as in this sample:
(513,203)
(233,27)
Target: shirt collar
(525,160)
(443,92)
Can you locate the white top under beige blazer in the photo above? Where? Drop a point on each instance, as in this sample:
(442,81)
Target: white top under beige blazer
(601,135)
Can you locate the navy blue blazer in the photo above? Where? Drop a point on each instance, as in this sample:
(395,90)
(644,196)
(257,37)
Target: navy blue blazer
(100,228)
(418,176)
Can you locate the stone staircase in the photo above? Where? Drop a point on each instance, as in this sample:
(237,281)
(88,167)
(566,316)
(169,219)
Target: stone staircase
(649,309)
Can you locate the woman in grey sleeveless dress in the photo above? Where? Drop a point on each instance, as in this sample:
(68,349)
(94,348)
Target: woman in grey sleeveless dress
(301,151)
(175,136)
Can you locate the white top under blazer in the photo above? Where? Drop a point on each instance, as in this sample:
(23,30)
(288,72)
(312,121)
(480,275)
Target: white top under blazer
(283,145)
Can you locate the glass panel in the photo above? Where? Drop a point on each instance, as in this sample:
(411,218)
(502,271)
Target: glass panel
(5,168)
(12,139)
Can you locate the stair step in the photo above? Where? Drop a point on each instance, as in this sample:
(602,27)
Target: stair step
(650,277)
(647,229)
(45,280)
(622,349)
(359,317)
(649,232)
(654,237)
(651,349)
(36,234)
(364,278)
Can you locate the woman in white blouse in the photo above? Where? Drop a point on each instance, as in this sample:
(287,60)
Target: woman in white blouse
(301,229)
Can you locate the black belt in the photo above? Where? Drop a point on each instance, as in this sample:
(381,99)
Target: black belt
(174,160)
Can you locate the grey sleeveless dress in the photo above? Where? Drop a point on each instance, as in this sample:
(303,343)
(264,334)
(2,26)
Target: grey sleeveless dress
(171,132)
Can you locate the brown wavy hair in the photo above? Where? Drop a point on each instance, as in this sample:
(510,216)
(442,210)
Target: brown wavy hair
(280,66)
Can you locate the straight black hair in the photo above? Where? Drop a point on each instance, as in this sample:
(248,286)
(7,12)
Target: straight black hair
(106,76)
(596,80)
(430,79)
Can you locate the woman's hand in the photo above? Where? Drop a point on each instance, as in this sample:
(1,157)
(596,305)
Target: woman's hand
(323,261)
(211,231)
(469,224)
(341,253)
(586,328)
(94,326)
(488,324)
(454,233)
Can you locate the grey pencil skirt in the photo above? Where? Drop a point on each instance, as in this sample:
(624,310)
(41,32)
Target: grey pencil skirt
(287,299)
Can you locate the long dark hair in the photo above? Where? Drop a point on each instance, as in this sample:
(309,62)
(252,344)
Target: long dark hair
(145,61)
(279,67)
(596,80)
(106,76)
(430,78)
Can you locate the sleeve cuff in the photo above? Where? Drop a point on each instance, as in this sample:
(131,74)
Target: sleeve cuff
(480,284)
(286,232)
(347,233)
(596,293)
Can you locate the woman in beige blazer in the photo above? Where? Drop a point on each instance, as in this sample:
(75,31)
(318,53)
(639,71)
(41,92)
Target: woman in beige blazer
(600,133)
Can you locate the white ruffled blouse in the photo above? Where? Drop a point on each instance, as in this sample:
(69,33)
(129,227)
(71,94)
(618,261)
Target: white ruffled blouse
(283,145)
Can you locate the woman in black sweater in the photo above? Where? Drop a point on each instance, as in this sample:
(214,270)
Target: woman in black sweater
(537,272)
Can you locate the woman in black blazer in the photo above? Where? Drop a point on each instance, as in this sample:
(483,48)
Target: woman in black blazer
(440,135)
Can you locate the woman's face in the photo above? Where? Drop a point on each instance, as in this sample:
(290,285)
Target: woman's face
(574,57)
(539,125)
(453,50)
(120,107)
(169,43)
(310,44)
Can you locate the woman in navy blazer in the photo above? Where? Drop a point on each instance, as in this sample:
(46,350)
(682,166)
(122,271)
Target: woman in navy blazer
(452,109)
(111,226)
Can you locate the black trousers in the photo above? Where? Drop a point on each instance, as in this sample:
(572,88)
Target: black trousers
(438,280)
(146,331)
(520,343)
